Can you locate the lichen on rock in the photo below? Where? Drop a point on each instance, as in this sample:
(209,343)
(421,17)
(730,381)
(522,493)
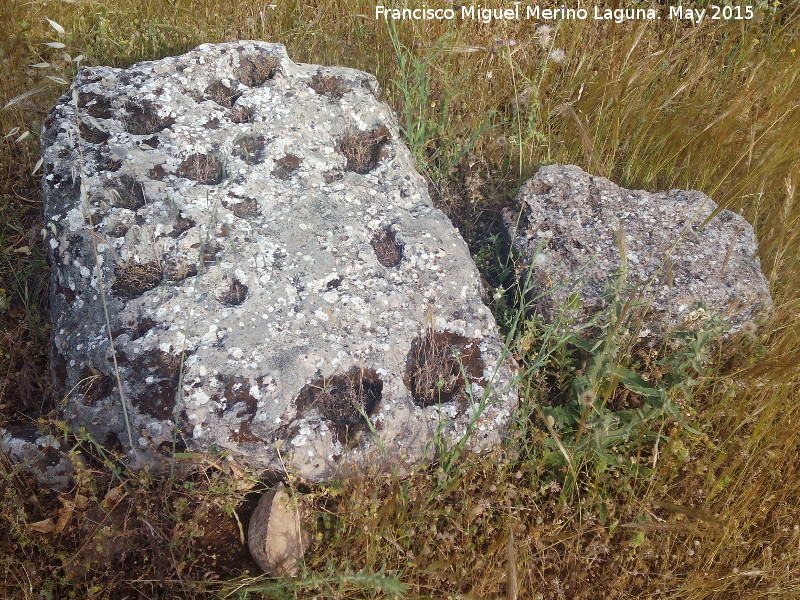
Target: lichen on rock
(270,261)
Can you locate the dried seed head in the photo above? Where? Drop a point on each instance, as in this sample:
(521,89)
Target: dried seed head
(587,398)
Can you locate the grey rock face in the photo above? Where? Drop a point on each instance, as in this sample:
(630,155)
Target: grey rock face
(263,244)
(571,230)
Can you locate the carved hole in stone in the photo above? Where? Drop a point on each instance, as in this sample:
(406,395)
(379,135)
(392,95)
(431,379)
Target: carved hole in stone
(88,76)
(134,279)
(537,186)
(167,448)
(332,175)
(387,249)
(55,178)
(158,372)
(106,162)
(59,368)
(153,142)
(243,114)
(210,251)
(437,365)
(99,215)
(119,230)
(364,149)
(67,293)
(286,166)
(111,442)
(143,118)
(94,384)
(245,435)
(250,148)
(132,77)
(369,86)
(235,294)
(255,69)
(246,209)
(180,226)
(239,402)
(178,270)
(141,328)
(221,94)
(342,399)
(203,168)
(127,192)
(333,87)
(158,173)
(92,134)
(96,105)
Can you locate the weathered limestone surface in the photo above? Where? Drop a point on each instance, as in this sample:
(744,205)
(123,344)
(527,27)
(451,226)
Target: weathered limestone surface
(571,229)
(264,244)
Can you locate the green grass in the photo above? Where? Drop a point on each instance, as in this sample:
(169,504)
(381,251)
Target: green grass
(667,514)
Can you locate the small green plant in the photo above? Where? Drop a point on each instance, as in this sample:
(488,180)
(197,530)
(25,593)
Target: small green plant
(333,584)
(529,117)
(612,406)
(426,118)
(496,265)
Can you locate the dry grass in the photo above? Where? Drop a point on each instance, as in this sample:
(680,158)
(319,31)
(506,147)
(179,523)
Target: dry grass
(657,105)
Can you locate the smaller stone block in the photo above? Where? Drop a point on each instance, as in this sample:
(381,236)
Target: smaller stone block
(572,229)
(278,535)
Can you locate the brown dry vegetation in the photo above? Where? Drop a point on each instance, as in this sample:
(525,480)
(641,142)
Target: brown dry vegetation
(655,105)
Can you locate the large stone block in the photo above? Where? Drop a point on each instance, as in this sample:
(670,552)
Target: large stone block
(274,276)
(572,231)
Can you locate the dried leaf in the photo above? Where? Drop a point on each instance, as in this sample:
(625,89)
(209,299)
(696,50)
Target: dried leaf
(239,476)
(55,25)
(58,79)
(66,515)
(22,136)
(113,495)
(42,65)
(24,96)
(37,166)
(44,526)
(56,45)
(96,124)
